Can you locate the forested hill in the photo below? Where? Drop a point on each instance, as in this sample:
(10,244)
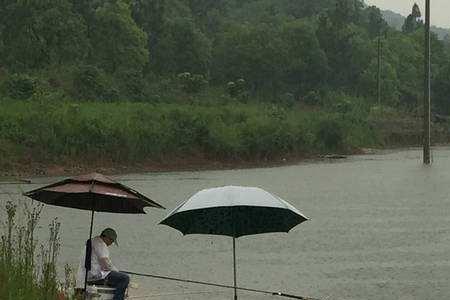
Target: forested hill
(156,82)
(393,19)
(157,50)
(396,20)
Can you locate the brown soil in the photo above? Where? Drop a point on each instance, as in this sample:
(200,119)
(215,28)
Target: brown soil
(23,170)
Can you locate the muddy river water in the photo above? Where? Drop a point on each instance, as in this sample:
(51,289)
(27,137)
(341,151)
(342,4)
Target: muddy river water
(379,228)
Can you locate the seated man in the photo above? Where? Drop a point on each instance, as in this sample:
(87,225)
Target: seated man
(101,266)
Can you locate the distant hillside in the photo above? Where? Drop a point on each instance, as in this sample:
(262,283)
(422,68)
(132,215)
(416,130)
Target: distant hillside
(441,32)
(396,21)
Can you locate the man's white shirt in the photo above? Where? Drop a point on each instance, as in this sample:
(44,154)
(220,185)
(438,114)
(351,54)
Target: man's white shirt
(99,251)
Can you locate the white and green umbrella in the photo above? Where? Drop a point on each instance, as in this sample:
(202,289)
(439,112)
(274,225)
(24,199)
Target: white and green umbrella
(234,211)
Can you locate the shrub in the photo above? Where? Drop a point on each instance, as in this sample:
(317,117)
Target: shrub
(22,276)
(131,85)
(265,137)
(130,132)
(20,86)
(90,83)
(188,130)
(192,83)
(312,98)
(330,135)
(288,99)
(237,88)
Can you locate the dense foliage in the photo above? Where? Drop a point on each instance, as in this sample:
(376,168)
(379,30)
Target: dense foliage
(139,131)
(322,54)
(134,49)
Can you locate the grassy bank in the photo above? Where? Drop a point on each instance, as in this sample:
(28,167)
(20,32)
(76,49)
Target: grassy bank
(49,132)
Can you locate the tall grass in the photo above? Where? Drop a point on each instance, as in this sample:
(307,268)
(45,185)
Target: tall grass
(126,132)
(27,268)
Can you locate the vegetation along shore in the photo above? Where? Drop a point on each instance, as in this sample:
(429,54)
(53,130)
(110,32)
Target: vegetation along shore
(57,138)
(162,85)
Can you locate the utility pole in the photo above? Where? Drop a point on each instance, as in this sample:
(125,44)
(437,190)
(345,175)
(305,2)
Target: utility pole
(379,70)
(427,90)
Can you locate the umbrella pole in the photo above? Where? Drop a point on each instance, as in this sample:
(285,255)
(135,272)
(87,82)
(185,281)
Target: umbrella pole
(234,267)
(90,236)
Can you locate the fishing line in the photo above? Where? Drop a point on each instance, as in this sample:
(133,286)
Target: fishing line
(281,294)
(171,294)
(18,181)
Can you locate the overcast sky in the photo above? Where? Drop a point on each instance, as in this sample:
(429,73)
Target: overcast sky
(440,9)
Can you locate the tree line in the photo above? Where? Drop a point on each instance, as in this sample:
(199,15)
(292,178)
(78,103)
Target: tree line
(164,50)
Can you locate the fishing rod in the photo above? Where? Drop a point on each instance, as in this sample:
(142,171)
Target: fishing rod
(171,294)
(16,181)
(281,294)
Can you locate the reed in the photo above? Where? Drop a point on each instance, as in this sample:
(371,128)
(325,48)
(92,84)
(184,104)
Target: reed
(27,267)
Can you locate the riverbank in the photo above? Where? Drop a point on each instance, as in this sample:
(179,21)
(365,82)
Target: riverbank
(54,138)
(25,170)
(66,138)
(22,172)
(30,169)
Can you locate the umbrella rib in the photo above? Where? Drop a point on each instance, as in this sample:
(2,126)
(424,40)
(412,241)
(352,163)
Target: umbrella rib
(142,197)
(90,192)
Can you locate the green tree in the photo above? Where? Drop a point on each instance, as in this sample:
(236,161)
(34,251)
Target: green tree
(149,15)
(182,48)
(413,22)
(346,46)
(441,90)
(346,12)
(390,94)
(447,42)
(375,23)
(256,53)
(307,8)
(307,66)
(405,54)
(86,9)
(118,43)
(209,14)
(38,33)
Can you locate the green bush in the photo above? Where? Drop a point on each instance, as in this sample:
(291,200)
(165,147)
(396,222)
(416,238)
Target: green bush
(236,88)
(192,83)
(61,131)
(22,275)
(19,86)
(312,98)
(330,135)
(188,131)
(89,83)
(131,85)
(266,137)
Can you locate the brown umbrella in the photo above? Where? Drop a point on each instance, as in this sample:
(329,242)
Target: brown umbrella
(94,192)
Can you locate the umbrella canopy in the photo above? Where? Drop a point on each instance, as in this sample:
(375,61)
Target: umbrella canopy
(234,211)
(94,192)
